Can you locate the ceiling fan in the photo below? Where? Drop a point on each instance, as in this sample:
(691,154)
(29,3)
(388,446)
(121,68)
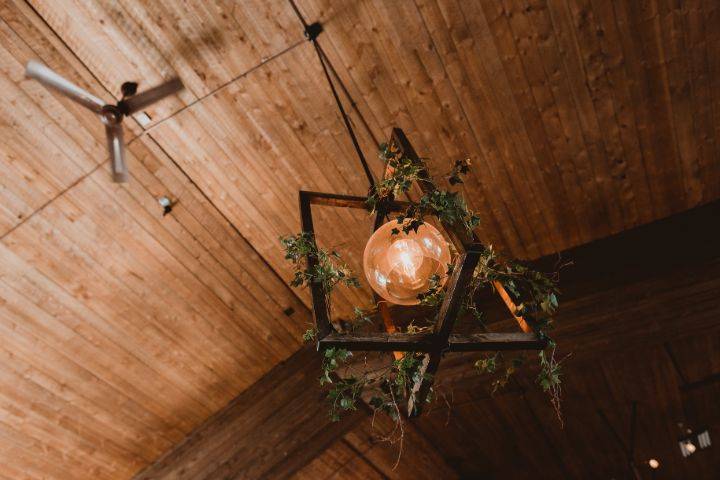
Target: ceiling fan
(110,115)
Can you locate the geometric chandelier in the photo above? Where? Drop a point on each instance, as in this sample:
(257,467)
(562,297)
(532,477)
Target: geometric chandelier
(441,339)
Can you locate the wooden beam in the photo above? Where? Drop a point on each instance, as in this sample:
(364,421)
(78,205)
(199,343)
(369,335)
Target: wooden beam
(321,308)
(627,292)
(388,321)
(273,428)
(421,389)
(458,283)
(349,201)
(459,238)
(457,287)
(500,289)
(427,342)
(496,341)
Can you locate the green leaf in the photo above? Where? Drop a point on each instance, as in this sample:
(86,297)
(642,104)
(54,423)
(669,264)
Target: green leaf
(309,335)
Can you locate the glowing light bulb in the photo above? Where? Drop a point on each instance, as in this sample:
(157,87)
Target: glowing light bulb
(406,255)
(654,464)
(690,447)
(399,266)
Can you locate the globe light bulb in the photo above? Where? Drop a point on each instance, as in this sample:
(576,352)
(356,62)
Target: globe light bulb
(654,464)
(399,266)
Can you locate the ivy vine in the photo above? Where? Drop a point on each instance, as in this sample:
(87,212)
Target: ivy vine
(328,269)
(534,293)
(448,206)
(383,388)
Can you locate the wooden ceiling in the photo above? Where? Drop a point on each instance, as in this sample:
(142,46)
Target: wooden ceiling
(516,433)
(637,330)
(123,329)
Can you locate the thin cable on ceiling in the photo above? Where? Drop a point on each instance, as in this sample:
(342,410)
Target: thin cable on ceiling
(311,32)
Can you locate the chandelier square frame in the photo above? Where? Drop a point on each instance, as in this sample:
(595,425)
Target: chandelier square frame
(441,340)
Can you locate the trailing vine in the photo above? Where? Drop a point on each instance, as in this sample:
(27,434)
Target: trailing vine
(328,269)
(535,295)
(449,207)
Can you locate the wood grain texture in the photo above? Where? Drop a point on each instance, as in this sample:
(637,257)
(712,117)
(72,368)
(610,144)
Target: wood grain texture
(123,330)
(576,114)
(624,317)
(260,429)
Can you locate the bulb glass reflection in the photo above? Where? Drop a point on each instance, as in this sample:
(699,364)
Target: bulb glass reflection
(399,266)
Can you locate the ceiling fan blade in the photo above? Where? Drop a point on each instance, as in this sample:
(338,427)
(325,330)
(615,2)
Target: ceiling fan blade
(116,146)
(142,100)
(50,79)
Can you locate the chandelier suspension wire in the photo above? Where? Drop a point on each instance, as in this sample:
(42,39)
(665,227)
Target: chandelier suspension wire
(352,101)
(311,32)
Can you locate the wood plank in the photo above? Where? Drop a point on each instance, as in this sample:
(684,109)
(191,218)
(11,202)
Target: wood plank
(123,329)
(350,201)
(583,62)
(419,459)
(457,286)
(227,445)
(496,342)
(426,342)
(591,310)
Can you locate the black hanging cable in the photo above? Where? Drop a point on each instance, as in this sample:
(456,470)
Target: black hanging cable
(361,156)
(299,15)
(311,32)
(345,90)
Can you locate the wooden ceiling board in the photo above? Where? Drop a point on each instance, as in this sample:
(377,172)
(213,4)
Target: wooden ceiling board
(207,44)
(252,165)
(127,328)
(121,313)
(124,329)
(580,109)
(33,172)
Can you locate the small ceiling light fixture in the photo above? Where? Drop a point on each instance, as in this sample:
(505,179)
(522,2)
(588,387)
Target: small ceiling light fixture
(690,443)
(166,203)
(704,439)
(687,448)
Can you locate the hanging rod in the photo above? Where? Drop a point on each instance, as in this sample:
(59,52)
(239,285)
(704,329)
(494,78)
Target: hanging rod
(312,31)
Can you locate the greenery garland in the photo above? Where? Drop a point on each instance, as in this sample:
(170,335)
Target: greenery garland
(534,293)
